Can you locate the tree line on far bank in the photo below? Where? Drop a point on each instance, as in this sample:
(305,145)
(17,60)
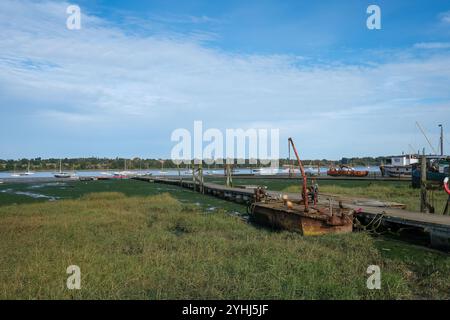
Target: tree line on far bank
(92,163)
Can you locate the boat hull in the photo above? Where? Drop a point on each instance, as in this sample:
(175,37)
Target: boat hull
(398,171)
(63,176)
(350,173)
(279,217)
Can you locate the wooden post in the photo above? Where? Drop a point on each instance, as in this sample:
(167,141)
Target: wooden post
(423,183)
(229,179)
(193,175)
(200,176)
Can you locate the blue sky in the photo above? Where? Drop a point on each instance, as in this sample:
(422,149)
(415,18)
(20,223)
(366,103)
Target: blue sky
(137,70)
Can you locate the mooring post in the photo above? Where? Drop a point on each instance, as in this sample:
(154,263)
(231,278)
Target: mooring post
(423,183)
(200,176)
(229,179)
(193,175)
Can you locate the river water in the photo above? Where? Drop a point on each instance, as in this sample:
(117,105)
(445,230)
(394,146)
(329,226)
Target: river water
(171,172)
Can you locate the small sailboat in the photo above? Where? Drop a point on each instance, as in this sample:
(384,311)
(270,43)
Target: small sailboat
(28,172)
(14,174)
(162,167)
(188,169)
(62,174)
(124,173)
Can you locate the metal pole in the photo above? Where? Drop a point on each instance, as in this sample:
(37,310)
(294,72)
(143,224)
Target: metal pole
(200,173)
(423,181)
(193,175)
(442,140)
(304,187)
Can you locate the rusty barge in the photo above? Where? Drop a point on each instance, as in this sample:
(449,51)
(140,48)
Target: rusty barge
(305,215)
(311,223)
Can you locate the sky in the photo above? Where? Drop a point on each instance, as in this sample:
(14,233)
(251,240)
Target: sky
(138,70)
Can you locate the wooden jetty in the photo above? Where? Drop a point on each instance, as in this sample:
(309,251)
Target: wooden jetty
(370,177)
(388,215)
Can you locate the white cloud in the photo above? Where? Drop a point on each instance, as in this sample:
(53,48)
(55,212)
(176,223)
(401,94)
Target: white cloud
(101,78)
(432,45)
(445,17)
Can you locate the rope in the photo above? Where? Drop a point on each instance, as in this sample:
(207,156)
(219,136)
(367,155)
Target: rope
(373,225)
(250,208)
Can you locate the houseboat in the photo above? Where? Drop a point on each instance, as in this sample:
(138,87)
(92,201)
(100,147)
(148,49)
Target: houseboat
(399,166)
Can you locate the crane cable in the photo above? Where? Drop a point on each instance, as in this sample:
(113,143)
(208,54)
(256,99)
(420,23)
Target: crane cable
(424,134)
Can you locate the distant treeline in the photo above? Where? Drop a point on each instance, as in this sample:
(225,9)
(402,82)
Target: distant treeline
(39,164)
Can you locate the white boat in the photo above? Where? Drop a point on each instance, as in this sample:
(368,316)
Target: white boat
(399,166)
(162,168)
(141,174)
(268,171)
(124,172)
(28,172)
(14,174)
(63,175)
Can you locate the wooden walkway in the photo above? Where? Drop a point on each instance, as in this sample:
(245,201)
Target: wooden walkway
(390,213)
(318,178)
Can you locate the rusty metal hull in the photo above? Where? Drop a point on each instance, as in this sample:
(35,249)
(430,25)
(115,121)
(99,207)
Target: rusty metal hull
(277,216)
(343,173)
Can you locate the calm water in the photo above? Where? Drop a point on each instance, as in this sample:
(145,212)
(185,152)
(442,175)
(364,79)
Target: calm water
(171,172)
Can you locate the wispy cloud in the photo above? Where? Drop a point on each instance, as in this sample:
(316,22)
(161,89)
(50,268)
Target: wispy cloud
(445,17)
(432,45)
(104,79)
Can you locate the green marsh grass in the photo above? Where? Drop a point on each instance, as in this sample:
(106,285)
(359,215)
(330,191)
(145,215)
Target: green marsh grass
(157,247)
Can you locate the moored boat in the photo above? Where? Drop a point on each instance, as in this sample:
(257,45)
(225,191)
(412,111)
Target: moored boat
(399,166)
(346,171)
(28,172)
(315,221)
(306,215)
(437,169)
(63,175)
